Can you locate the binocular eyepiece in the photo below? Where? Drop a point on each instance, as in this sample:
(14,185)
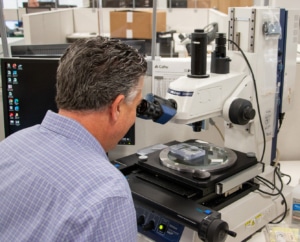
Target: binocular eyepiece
(156,108)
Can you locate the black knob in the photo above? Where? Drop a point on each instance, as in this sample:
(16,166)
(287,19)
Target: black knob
(214,230)
(149,226)
(231,233)
(217,231)
(241,111)
(249,113)
(141,220)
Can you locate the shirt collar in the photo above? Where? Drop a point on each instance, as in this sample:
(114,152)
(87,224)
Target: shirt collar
(71,129)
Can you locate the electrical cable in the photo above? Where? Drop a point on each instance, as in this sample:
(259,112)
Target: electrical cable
(272,186)
(212,122)
(275,194)
(256,96)
(284,175)
(288,176)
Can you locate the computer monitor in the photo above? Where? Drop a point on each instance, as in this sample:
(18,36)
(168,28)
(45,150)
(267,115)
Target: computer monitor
(28,91)
(48,4)
(51,4)
(57,50)
(39,51)
(37,9)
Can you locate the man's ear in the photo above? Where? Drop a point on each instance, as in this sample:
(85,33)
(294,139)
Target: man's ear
(116,107)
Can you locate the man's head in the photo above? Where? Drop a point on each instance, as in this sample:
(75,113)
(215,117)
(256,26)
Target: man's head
(101,76)
(94,71)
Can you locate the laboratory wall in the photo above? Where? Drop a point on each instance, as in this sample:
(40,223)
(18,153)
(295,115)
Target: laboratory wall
(289,135)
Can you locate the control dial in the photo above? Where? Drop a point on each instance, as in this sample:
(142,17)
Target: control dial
(149,226)
(214,230)
(241,111)
(141,220)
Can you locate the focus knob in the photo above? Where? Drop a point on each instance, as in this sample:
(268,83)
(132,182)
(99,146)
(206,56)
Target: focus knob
(149,226)
(141,220)
(214,230)
(249,113)
(241,111)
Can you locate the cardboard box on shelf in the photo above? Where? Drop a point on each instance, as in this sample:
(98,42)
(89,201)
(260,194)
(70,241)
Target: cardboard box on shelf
(223,6)
(135,24)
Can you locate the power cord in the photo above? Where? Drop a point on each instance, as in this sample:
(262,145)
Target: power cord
(213,123)
(273,187)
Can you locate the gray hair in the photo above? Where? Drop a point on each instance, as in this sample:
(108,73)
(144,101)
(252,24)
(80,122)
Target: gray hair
(94,71)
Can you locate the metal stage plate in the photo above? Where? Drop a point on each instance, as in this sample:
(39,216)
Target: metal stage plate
(196,157)
(201,172)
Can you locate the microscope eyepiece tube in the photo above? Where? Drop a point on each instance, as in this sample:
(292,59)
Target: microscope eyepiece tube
(219,61)
(220,44)
(198,54)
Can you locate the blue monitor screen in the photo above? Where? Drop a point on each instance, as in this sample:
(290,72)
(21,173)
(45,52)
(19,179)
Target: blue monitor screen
(28,90)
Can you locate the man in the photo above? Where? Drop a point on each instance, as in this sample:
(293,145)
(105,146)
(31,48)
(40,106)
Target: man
(56,182)
(33,3)
(36,3)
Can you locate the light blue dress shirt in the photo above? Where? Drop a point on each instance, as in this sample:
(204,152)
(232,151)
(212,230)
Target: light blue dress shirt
(57,184)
